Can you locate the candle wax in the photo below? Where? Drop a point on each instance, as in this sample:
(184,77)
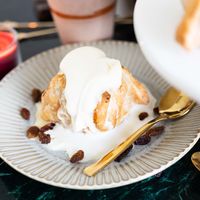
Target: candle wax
(8,53)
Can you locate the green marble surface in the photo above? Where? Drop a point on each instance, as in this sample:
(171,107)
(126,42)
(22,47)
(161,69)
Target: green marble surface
(180,181)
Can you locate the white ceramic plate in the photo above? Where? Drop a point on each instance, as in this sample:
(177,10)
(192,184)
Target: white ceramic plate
(29,158)
(155,25)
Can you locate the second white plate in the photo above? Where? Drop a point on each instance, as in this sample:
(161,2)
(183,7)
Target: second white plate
(155,24)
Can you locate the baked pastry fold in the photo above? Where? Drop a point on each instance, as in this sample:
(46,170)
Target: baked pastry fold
(188,31)
(110,110)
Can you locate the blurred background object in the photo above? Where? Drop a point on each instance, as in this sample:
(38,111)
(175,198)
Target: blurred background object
(94,18)
(42,10)
(80,21)
(9,52)
(124,8)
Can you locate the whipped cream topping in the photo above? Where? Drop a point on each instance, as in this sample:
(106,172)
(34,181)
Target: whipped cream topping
(89,73)
(67,142)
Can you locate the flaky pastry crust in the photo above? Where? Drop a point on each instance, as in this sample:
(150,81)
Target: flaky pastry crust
(111,109)
(188,31)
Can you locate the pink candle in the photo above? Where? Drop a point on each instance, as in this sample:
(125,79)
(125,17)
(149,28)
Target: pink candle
(8,50)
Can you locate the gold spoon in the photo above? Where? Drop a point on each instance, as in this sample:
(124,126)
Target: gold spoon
(174,104)
(196,160)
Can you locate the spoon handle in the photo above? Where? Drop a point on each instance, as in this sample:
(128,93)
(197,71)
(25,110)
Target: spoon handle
(108,158)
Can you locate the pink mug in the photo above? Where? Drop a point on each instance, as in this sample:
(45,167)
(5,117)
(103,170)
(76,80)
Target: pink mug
(78,20)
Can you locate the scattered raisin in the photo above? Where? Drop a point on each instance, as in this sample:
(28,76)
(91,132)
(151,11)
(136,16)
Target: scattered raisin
(36,95)
(47,127)
(32,132)
(156,111)
(25,113)
(124,154)
(44,138)
(143,140)
(156,131)
(79,155)
(143,115)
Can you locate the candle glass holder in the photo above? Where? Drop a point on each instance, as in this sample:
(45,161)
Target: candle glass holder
(81,21)
(9,50)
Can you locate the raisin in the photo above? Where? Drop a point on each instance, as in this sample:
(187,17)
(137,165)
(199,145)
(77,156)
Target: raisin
(47,127)
(36,95)
(156,111)
(143,140)
(44,138)
(156,131)
(79,155)
(25,113)
(143,115)
(32,132)
(124,154)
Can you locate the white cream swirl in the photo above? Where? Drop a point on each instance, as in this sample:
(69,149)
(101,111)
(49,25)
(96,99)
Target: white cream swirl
(88,74)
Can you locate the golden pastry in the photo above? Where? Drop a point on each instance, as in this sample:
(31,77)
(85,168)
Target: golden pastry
(111,109)
(188,31)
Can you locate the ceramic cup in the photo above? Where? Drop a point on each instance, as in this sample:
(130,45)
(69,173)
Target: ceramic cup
(79,20)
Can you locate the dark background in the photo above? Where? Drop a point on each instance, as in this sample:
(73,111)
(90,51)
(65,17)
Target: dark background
(181,181)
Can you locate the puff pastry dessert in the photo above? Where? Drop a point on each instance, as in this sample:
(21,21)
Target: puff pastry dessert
(116,93)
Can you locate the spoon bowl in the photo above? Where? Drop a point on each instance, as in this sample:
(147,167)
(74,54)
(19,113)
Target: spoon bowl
(173,101)
(181,113)
(196,160)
